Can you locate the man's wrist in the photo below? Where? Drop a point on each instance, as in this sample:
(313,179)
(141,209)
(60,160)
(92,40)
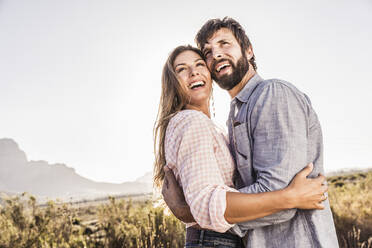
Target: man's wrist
(183,213)
(176,208)
(181,209)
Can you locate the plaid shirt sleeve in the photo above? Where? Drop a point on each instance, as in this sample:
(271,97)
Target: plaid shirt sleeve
(193,141)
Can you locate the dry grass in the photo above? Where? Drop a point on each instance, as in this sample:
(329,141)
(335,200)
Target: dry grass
(113,225)
(124,223)
(351,202)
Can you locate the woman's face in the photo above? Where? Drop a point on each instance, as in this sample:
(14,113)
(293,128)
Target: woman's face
(194,77)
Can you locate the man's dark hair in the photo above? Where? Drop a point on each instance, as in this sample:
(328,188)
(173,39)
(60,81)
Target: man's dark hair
(213,25)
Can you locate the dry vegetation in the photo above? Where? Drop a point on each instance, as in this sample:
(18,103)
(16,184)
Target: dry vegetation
(125,223)
(351,202)
(115,224)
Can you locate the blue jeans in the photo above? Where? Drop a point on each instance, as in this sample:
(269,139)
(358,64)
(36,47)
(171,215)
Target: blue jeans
(209,239)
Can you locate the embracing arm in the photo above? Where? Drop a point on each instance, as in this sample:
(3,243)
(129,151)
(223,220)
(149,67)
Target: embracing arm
(174,198)
(303,192)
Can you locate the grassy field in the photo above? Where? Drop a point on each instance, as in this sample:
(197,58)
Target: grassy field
(350,196)
(141,223)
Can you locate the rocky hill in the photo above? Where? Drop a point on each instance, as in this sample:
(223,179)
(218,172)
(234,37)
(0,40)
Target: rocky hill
(45,180)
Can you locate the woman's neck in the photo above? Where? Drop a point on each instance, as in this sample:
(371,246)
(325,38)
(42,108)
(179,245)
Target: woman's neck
(204,109)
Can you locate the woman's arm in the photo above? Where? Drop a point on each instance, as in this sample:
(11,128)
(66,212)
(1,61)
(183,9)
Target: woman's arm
(304,193)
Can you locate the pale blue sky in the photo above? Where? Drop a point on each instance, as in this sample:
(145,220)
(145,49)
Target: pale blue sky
(80,79)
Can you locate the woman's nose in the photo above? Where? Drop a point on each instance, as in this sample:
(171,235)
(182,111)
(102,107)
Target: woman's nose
(194,72)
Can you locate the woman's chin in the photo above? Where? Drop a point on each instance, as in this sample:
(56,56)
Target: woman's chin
(199,100)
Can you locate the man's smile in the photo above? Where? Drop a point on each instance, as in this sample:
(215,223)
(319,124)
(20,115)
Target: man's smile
(222,67)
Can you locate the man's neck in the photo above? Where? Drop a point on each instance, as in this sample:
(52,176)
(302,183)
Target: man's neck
(234,91)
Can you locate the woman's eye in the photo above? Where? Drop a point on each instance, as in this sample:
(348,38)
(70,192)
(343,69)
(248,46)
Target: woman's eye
(200,64)
(180,70)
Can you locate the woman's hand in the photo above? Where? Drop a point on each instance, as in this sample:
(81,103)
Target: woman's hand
(307,193)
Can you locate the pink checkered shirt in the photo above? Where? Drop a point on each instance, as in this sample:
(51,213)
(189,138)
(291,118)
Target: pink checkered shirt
(198,154)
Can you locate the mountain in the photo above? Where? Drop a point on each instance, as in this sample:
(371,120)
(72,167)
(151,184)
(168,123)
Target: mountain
(45,180)
(147,178)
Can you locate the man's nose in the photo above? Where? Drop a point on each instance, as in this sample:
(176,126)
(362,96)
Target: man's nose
(217,54)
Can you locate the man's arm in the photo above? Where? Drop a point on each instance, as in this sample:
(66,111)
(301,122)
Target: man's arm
(174,197)
(279,132)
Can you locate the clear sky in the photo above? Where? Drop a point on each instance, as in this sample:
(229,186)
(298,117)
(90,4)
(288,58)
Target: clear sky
(80,79)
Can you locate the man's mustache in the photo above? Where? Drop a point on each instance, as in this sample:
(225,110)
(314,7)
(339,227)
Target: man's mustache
(215,62)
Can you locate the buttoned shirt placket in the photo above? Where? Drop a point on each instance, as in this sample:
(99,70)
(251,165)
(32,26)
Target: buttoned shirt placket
(230,124)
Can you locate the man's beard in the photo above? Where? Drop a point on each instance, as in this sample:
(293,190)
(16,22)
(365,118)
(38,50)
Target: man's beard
(227,82)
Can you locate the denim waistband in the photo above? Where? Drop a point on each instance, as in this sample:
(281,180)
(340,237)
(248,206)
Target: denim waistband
(207,238)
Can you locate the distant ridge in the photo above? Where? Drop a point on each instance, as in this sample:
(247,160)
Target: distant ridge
(343,172)
(44,180)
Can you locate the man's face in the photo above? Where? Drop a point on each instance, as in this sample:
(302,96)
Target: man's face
(225,59)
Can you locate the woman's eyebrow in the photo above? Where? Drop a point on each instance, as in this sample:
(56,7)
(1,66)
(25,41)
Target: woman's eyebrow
(179,65)
(196,60)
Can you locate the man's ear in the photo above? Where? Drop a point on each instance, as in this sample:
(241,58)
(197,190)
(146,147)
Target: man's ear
(249,52)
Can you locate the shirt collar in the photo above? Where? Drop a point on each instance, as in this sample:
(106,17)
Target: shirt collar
(244,94)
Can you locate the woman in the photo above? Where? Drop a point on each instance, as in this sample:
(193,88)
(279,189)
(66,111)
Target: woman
(187,141)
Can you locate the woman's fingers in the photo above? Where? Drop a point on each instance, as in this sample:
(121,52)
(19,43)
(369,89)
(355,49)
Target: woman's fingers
(323,198)
(320,179)
(319,203)
(319,206)
(306,171)
(309,192)
(324,188)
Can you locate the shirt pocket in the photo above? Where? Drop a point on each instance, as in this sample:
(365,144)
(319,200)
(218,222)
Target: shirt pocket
(243,154)
(242,145)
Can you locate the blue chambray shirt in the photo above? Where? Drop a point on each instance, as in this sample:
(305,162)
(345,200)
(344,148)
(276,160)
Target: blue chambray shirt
(274,133)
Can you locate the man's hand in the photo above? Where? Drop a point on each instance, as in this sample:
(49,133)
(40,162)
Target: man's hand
(174,198)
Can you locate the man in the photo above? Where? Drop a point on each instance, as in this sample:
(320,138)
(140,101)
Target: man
(273,133)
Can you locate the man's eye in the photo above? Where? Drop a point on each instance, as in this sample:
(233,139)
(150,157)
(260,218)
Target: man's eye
(207,53)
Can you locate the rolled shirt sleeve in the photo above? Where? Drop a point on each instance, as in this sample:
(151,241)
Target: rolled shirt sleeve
(198,171)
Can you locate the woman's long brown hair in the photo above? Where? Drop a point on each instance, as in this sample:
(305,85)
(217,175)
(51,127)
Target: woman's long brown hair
(172,100)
